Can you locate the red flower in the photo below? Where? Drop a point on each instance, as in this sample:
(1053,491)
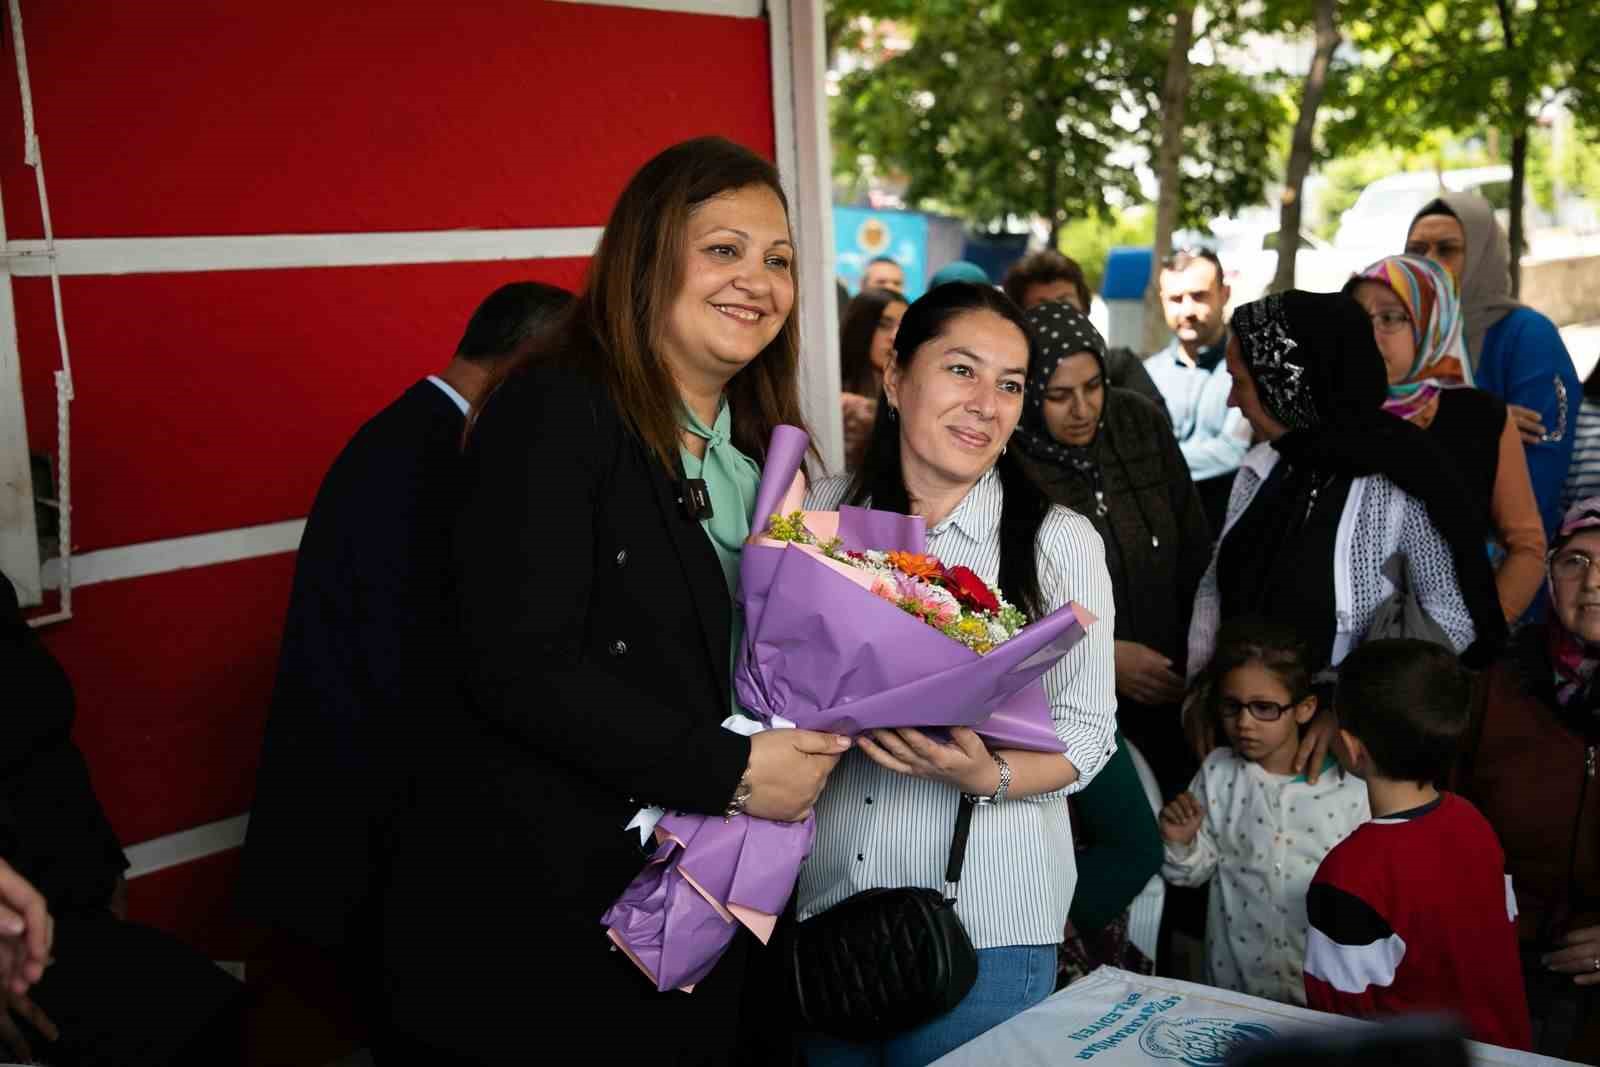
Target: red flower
(973,592)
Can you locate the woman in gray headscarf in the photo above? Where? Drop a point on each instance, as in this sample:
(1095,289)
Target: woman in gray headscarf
(1516,353)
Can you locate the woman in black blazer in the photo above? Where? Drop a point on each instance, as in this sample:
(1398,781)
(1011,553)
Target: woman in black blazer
(596,637)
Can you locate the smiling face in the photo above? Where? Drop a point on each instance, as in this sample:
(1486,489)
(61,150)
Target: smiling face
(1577,591)
(959,397)
(882,351)
(1271,744)
(1074,398)
(1243,395)
(1391,326)
(1442,239)
(736,287)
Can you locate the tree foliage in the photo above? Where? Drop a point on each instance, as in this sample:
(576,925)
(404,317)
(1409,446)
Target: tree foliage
(1011,109)
(1470,66)
(1038,108)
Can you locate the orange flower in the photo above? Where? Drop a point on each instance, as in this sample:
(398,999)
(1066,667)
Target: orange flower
(915,564)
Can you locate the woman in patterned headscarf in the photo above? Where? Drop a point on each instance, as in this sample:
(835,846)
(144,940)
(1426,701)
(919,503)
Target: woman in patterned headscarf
(1516,353)
(1109,455)
(1417,324)
(1341,505)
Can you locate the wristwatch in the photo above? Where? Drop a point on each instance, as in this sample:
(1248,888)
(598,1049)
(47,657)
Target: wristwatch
(1000,790)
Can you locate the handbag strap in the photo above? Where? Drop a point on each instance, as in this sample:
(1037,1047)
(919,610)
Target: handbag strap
(958,846)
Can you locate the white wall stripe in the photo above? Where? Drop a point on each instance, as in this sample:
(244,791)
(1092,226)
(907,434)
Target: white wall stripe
(157,255)
(186,846)
(179,553)
(745,9)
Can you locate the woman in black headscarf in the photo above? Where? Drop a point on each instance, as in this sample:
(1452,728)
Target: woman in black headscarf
(1109,455)
(1339,500)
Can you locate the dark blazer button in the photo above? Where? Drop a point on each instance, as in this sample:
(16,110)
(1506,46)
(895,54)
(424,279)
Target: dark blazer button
(622,556)
(619,648)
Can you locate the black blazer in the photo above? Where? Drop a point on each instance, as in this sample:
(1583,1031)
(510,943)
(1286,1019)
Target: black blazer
(594,629)
(361,656)
(52,827)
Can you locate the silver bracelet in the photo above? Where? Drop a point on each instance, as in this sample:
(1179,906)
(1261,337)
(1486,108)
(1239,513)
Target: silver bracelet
(1002,788)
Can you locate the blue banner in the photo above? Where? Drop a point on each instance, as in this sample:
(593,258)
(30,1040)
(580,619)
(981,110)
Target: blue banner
(860,235)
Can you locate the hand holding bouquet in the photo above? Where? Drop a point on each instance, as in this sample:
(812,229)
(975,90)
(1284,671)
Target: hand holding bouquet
(849,626)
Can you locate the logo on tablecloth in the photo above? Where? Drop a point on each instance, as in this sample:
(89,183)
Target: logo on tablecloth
(1198,1042)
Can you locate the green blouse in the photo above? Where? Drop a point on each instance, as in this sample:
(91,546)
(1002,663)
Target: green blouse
(731,479)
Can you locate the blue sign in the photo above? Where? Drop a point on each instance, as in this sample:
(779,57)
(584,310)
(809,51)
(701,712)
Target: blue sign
(1127,273)
(861,235)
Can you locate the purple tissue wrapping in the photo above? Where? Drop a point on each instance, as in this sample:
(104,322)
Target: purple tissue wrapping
(707,876)
(824,654)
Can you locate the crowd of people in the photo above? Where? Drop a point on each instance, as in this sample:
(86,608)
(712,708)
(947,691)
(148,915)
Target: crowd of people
(1342,559)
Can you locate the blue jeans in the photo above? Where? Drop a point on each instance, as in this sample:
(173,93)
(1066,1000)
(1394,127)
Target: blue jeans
(1010,981)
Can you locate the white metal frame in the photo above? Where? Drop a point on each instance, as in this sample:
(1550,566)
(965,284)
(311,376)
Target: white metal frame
(805,162)
(19,538)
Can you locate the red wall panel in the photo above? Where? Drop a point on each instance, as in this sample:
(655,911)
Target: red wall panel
(212,401)
(195,902)
(173,673)
(308,116)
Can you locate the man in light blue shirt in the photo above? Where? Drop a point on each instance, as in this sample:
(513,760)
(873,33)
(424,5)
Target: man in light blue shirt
(1193,376)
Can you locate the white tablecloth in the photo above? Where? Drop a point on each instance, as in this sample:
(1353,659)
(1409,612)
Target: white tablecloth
(1114,1018)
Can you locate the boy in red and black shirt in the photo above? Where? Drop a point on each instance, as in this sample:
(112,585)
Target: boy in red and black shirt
(1413,912)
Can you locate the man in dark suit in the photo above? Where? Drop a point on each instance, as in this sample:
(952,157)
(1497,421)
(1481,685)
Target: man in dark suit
(362,663)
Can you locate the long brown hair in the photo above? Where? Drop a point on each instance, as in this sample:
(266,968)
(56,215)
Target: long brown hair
(861,318)
(881,480)
(613,330)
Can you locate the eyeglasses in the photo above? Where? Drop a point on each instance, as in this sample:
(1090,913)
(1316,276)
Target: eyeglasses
(1260,710)
(1390,321)
(1571,567)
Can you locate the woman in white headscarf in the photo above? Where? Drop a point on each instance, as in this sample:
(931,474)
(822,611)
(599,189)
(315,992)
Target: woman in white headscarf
(1516,353)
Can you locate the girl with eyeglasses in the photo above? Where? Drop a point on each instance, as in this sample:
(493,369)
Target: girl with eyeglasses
(1249,824)
(1418,326)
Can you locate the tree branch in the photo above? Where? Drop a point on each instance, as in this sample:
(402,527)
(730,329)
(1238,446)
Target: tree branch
(1302,147)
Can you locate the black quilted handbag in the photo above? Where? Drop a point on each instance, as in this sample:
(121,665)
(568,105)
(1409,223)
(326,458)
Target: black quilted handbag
(885,960)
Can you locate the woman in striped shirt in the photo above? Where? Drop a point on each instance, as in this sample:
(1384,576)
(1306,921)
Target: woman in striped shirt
(954,395)
(1583,477)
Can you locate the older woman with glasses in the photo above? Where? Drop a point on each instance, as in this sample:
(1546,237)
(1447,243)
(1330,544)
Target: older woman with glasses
(1418,325)
(1530,765)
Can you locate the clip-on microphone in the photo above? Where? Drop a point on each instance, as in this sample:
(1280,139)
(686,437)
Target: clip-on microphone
(695,499)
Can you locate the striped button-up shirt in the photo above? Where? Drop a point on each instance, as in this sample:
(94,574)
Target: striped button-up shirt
(879,829)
